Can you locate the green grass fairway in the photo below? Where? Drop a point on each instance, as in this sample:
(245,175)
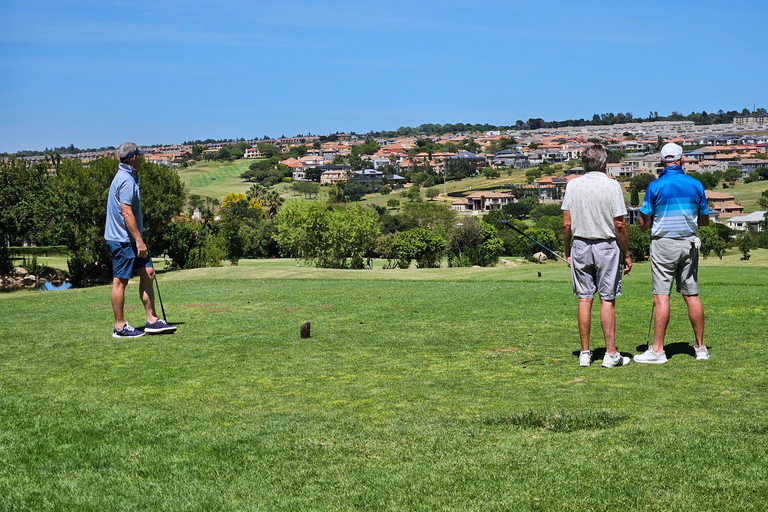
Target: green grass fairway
(443,389)
(199,179)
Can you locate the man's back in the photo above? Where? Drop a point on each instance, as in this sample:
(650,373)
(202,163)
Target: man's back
(675,201)
(594,200)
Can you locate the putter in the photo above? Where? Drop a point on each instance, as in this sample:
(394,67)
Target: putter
(650,324)
(160,298)
(157,285)
(533,240)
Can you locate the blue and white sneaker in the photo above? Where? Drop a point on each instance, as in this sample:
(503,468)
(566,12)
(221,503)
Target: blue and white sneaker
(159,326)
(126,332)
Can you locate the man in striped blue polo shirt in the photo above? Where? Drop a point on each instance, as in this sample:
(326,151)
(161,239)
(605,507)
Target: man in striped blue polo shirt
(673,209)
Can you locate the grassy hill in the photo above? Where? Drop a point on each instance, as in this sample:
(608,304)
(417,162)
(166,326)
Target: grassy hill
(199,179)
(441,389)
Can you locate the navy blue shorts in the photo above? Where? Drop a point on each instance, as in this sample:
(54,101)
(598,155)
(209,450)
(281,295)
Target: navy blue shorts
(125,260)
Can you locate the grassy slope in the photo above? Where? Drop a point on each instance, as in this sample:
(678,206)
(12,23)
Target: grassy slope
(198,181)
(451,389)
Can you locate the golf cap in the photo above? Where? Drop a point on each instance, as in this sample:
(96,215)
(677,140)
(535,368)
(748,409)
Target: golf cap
(127,150)
(671,152)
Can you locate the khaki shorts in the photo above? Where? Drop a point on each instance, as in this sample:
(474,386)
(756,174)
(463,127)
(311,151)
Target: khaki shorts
(675,259)
(596,268)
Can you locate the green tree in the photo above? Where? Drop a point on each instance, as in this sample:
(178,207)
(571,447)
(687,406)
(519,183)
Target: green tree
(763,200)
(474,242)
(711,242)
(422,245)
(746,242)
(490,173)
(546,210)
(393,203)
(521,208)
(432,193)
(387,248)
(641,181)
(544,236)
(313,174)
(336,195)
(328,236)
(533,174)
(732,174)
(708,180)
(639,241)
(634,197)
(435,216)
(24,190)
(163,195)
(412,194)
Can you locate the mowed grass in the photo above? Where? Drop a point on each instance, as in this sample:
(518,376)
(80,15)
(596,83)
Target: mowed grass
(440,389)
(216,179)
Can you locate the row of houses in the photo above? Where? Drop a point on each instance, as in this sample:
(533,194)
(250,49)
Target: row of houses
(722,206)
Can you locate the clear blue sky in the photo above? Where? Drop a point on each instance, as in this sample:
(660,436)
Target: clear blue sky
(96,73)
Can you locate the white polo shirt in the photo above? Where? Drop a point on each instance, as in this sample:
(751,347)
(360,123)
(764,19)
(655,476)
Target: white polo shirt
(594,200)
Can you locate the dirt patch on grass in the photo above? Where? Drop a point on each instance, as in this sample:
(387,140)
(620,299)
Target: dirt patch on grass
(325,306)
(501,350)
(291,310)
(208,308)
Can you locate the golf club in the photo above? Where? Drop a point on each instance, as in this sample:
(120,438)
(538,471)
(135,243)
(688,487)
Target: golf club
(534,241)
(160,298)
(650,324)
(157,285)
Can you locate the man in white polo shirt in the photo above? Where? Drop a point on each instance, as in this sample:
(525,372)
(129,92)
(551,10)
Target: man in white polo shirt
(593,217)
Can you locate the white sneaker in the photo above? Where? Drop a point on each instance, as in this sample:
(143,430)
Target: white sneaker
(702,354)
(609,361)
(585,358)
(651,356)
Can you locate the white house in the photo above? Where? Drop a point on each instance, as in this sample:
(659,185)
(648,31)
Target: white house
(744,222)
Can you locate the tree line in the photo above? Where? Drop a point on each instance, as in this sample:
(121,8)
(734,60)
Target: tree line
(699,118)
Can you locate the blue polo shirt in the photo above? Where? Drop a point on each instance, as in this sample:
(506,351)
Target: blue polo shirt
(123,190)
(675,201)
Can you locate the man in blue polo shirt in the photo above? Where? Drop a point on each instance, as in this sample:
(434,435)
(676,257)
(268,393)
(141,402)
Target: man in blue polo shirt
(123,233)
(673,209)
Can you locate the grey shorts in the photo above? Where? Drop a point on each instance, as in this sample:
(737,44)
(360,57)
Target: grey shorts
(675,259)
(596,268)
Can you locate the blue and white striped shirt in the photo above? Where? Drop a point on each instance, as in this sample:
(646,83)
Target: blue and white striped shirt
(675,201)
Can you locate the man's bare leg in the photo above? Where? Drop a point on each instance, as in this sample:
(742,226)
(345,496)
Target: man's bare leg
(696,315)
(608,321)
(660,321)
(585,322)
(147,293)
(117,297)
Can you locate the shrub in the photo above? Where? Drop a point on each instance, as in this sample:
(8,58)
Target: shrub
(421,245)
(639,241)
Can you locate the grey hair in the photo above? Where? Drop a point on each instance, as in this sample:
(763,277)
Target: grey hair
(594,158)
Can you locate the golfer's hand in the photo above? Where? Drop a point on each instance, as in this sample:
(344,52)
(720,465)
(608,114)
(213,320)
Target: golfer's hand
(627,264)
(568,259)
(141,249)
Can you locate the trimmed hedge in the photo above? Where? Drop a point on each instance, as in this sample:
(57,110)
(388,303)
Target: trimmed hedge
(51,250)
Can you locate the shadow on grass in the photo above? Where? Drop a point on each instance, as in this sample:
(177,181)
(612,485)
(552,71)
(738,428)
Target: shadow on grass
(558,421)
(599,353)
(673,349)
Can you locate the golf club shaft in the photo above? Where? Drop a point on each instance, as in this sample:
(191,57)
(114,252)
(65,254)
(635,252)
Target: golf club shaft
(650,324)
(536,241)
(160,298)
(157,286)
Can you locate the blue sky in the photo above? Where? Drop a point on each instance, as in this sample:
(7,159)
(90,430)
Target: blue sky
(96,73)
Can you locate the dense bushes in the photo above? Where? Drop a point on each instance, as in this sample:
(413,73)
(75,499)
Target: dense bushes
(332,236)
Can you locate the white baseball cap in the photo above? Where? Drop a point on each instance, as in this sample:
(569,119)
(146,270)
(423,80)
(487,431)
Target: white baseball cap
(671,152)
